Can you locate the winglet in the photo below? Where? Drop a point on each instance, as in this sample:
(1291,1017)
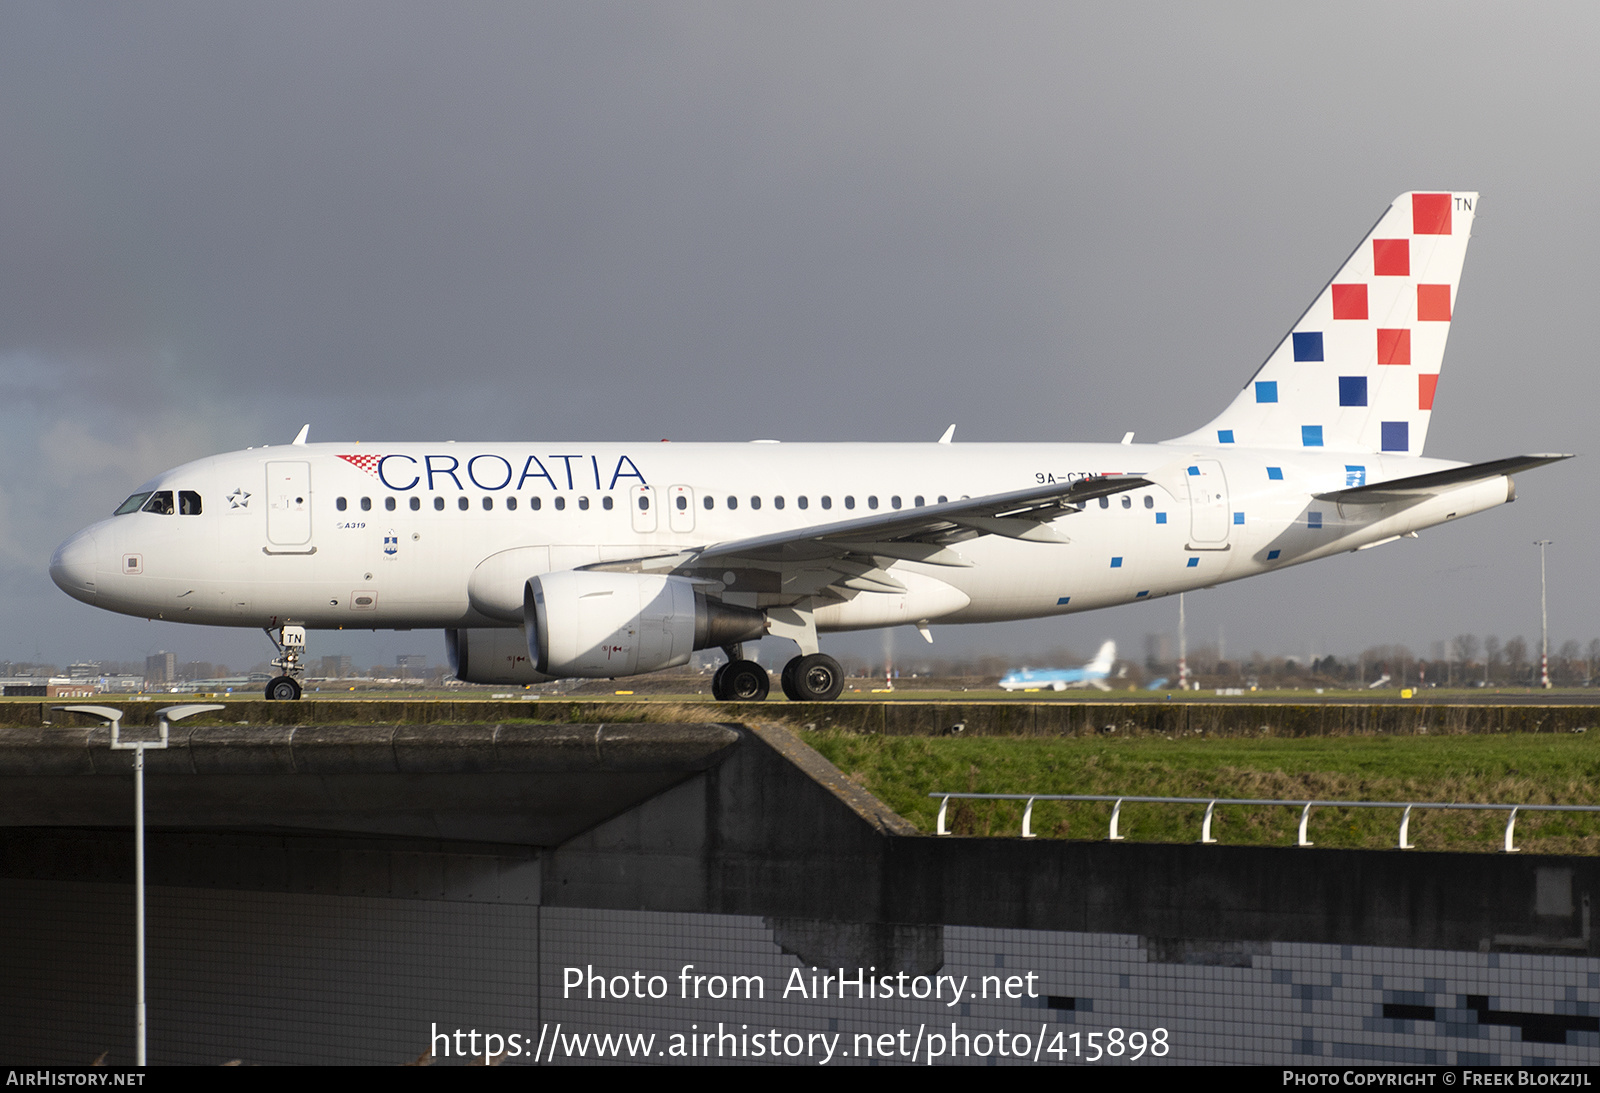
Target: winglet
(300,437)
(949,434)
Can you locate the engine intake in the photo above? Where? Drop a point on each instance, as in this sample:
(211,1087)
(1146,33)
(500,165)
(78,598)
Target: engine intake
(600,625)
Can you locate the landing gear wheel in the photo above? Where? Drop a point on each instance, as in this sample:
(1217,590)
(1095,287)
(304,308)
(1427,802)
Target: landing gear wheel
(787,681)
(283,689)
(745,681)
(291,643)
(719,689)
(815,678)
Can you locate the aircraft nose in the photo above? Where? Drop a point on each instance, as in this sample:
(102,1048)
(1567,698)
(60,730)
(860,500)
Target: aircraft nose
(73,566)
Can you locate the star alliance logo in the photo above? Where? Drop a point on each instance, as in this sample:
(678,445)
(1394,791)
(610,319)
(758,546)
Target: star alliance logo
(238,499)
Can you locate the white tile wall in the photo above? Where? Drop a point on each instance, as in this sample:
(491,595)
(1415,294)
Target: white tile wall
(282,978)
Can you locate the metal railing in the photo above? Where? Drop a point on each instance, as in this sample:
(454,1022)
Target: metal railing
(1211,804)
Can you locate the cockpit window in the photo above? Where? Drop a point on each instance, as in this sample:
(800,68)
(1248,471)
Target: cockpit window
(160,503)
(188,503)
(132,504)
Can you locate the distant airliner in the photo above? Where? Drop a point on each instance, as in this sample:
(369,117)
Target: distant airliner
(547,560)
(1092,674)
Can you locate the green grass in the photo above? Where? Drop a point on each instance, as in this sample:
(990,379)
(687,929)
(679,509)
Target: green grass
(1509,769)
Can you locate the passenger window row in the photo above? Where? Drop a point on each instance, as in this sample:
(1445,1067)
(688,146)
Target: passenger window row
(804,502)
(187,503)
(463,504)
(606,503)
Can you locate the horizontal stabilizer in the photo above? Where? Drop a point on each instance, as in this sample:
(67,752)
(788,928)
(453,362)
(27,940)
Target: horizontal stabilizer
(1423,485)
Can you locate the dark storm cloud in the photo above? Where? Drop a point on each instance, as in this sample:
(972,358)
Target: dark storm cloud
(851,221)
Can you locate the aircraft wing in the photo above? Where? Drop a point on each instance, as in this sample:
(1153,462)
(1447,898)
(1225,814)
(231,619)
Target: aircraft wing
(855,553)
(1419,486)
(1020,514)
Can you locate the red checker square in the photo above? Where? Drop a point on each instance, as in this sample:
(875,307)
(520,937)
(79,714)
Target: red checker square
(1433,303)
(1349,301)
(1391,257)
(1430,214)
(1426,386)
(1394,346)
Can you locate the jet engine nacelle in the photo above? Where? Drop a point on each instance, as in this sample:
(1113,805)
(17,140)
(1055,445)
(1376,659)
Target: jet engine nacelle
(600,625)
(491,656)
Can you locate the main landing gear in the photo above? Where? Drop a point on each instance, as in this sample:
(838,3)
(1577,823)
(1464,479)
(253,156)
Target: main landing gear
(740,681)
(291,643)
(815,677)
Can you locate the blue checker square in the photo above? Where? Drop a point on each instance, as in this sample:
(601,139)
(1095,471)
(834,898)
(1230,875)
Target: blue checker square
(1161,517)
(1137,595)
(1355,474)
(1308,346)
(1238,517)
(1063,601)
(1116,563)
(1352,390)
(1272,555)
(1194,470)
(1313,520)
(1275,474)
(1224,436)
(1311,436)
(1193,562)
(1266,390)
(1396,436)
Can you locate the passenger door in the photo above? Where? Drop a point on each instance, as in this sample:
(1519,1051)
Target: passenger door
(1208,505)
(289,504)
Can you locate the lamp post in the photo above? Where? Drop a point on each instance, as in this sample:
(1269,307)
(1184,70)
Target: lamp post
(112,716)
(1544,620)
(1183,649)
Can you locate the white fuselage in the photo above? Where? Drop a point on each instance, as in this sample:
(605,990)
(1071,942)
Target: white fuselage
(403,536)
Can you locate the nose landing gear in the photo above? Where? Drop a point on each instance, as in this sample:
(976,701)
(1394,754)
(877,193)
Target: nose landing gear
(291,643)
(283,688)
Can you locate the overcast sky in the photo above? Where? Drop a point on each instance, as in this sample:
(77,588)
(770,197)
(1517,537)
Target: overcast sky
(719,221)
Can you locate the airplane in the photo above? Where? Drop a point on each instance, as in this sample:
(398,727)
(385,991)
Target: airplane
(1092,674)
(557,560)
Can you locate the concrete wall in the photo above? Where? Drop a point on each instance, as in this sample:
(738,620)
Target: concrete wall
(1069,717)
(785,834)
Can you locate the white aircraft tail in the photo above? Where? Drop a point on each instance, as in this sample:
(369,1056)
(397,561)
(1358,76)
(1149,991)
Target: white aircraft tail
(1103,659)
(1359,371)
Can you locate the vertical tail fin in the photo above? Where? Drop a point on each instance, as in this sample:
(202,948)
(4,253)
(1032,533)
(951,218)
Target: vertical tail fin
(1104,658)
(1359,370)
